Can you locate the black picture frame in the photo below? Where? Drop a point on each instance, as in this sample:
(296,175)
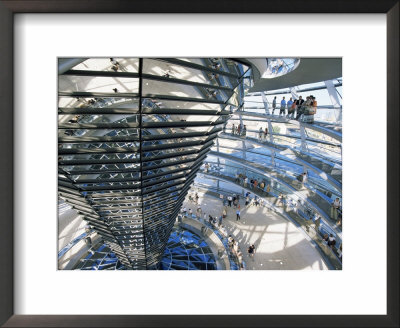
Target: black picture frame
(7,197)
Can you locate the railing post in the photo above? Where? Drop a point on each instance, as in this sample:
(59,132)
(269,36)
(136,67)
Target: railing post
(333,95)
(265,101)
(271,139)
(273,157)
(303,138)
(271,131)
(293,91)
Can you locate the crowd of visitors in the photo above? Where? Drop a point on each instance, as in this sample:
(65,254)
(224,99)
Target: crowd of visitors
(239,130)
(248,182)
(230,200)
(297,109)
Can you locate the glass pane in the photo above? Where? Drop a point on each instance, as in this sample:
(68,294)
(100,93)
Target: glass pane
(157,88)
(109,64)
(74,83)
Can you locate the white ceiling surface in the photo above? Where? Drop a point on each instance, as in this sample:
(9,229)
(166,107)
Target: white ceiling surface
(310,70)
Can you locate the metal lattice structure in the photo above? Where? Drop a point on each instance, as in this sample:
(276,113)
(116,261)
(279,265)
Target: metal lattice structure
(132,134)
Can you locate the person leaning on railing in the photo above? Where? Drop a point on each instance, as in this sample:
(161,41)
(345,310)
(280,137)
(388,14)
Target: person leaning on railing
(255,183)
(292,109)
(339,252)
(339,220)
(280,200)
(317,222)
(230,241)
(251,184)
(335,206)
(268,189)
(312,108)
(299,103)
(314,105)
(309,109)
(236,247)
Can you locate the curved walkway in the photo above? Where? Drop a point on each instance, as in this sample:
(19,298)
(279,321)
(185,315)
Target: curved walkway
(314,229)
(323,129)
(320,204)
(279,244)
(325,171)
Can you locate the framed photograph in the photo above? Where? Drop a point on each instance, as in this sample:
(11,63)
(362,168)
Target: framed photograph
(208,162)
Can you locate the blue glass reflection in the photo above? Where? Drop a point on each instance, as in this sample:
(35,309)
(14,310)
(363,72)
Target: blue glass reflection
(185,251)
